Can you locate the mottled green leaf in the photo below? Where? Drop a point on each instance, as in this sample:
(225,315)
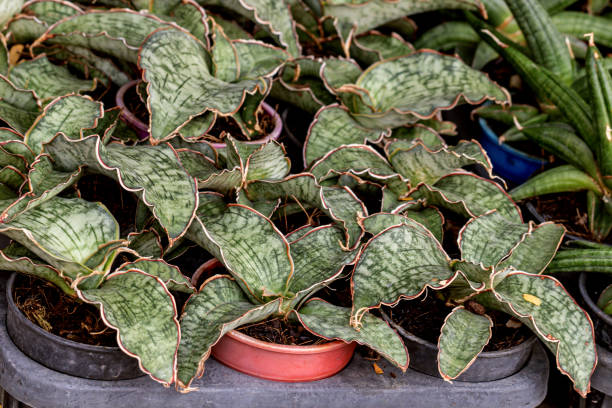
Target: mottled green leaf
(48,81)
(8,8)
(400,262)
(462,337)
(146,243)
(429,220)
(578,24)
(51,11)
(23,264)
(143,312)
(169,274)
(332,322)
(556,180)
(69,115)
(373,47)
(447,36)
(18,108)
(219,307)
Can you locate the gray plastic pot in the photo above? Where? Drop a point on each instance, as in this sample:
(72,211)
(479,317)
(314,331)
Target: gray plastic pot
(489,366)
(602,377)
(63,355)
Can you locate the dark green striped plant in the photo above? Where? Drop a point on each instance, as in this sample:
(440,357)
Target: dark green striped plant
(499,269)
(582,140)
(270,275)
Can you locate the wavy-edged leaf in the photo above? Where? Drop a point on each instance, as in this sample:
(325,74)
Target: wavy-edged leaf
(332,322)
(146,243)
(429,219)
(545,42)
(336,72)
(9,8)
(252,249)
(447,36)
(470,195)
(374,46)
(67,233)
(420,164)
(94,62)
(257,59)
(394,92)
(144,314)
(332,127)
(338,203)
(67,114)
(169,274)
(197,164)
(462,337)
(18,108)
(119,32)
(177,93)
(323,244)
(48,81)
(506,114)
(267,162)
(191,16)
(217,308)
(556,180)
(51,11)
(154,173)
(541,302)
(400,262)
(536,249)
(24,264)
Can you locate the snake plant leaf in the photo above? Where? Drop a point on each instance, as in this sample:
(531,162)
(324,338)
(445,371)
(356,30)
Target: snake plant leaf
(336,72)
(18,108)
(541,302)
(146,243)
(4,57)
(364,15)
(324,244)
(600,220)
(604,302)
(257,59)
(373,47)
(268,162)
(428,218)
(223,182)
(119,33)
(578,24)
(448,36)
(169,274)
(420,164)
(8,158)
(463,336)
(24,264)
(394,92)
(69,115)
(252,249)
(400,262)
(12,177)
(545,42)
(340,204)
(12,142)
(506,114)
(332,127)
(219,306)
(429,136)
(233,30)
(274,16)
(581,260)
(469,195)
(144,314)
(163,7)
(65,232)
(164,185)
(561,140)
(43,183)
(600,84)
(167,58)
(200,146)
(331,322)
(224,56)
(543,82)
(197,164)
(51,11)
(23,29)
(48,81)
(210,204)
(104,65)
(8,9)
(556,180)
(191,16)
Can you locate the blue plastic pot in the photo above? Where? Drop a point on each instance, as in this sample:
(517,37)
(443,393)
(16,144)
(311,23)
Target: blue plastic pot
(511,164)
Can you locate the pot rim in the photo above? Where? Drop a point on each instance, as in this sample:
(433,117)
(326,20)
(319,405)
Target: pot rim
(265,345)
(12,308)
(144,129)
(589,301)
(505,147)
(483,354)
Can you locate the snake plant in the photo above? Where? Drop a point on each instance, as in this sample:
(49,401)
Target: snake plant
(499,268)
(270,274)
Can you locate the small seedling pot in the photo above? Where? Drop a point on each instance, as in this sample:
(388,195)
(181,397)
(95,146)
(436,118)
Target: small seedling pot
(488,366)
(602,377)
(142,129)
(511,164)
(63,355)
(277,362)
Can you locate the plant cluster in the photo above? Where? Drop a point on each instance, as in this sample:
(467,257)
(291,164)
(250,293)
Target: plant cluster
(378,184)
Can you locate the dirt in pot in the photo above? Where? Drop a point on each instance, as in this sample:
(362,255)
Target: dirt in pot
(57,313)
(424,318)
(281,331)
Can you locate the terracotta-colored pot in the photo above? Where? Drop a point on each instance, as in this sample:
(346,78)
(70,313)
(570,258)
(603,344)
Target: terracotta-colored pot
(277,362)
(143,130)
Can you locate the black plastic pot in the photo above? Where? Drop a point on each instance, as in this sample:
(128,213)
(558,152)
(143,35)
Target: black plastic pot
(489,366)
(63,355)
(602,377)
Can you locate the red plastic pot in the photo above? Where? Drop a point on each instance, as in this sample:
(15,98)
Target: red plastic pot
(143,130)
(276,361)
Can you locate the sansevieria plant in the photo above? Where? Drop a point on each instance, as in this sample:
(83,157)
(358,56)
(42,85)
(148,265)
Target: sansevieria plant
(499,268)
